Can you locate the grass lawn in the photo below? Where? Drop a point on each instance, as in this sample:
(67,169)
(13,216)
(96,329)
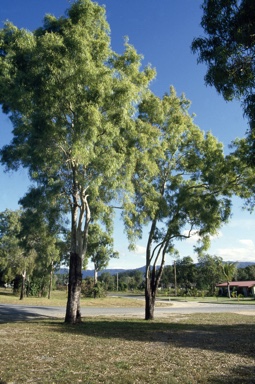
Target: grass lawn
(212,300)
(59,298)
(185,349)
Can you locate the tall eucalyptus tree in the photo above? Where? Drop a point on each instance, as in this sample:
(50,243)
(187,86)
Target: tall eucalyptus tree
(72,101)
(181,185)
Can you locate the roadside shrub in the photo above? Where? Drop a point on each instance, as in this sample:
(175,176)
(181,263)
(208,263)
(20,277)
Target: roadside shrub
(38,286)
(90,289)
(87,286)
(99,290)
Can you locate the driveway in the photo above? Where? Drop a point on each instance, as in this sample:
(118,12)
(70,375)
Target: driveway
(22,312)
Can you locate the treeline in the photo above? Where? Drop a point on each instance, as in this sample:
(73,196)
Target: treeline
(183,278)
(33,245)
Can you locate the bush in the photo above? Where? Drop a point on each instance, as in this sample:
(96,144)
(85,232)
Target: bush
(89,289)
(37,287)
(99,290)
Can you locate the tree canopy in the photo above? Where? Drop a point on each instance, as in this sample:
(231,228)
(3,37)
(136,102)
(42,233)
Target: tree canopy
(210,272)
(228,49)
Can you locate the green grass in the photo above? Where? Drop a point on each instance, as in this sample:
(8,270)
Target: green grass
(178,349)
(59,298)
(211,300)
(185,349)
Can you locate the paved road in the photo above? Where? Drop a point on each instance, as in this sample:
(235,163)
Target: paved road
(21,312)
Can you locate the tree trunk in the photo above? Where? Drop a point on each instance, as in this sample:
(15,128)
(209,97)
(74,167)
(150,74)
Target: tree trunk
(73,313)
(95,275)
(150,295)
(149,303)
(22,291)
(175,280)
(50,283)
(229,294)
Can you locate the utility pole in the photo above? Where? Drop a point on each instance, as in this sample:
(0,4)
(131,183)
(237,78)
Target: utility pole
(175,279)
(117,281)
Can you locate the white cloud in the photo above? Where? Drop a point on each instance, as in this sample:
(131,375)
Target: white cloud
(247,242)
(236,254)
(245,253)
(242,223)
(195,237)
(139,250)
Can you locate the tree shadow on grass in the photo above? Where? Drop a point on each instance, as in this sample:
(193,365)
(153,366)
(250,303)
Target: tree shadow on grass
(214,333)
(237,339)
(238,375)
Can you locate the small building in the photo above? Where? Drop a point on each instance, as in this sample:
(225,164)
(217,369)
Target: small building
(245,288)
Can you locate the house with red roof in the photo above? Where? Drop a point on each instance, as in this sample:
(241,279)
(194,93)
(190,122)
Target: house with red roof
(245,288)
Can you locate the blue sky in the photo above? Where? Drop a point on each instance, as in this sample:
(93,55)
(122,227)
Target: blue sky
(162,31)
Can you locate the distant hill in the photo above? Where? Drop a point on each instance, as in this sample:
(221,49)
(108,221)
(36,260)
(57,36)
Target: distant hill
(90,273)
(244,264)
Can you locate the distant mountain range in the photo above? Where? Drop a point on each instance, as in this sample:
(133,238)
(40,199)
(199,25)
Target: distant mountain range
(90,273)
(244,264)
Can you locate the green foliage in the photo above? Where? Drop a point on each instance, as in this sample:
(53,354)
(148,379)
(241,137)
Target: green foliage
(181,181)
(29,248)
(229,270)
(241,164)
(100,247)
(228,50)
(181,184)
(14,259)
(99,290)
(90,289)
(87,287)
(247,273)
(72,102)
(240,296)
(209,272)
(193,279)
(61,280)
(109,281)
(131,280)
(167,277)
(37,286)
(186,273)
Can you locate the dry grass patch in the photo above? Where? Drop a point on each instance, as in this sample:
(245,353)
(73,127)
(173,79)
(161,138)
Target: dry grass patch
(188,349)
